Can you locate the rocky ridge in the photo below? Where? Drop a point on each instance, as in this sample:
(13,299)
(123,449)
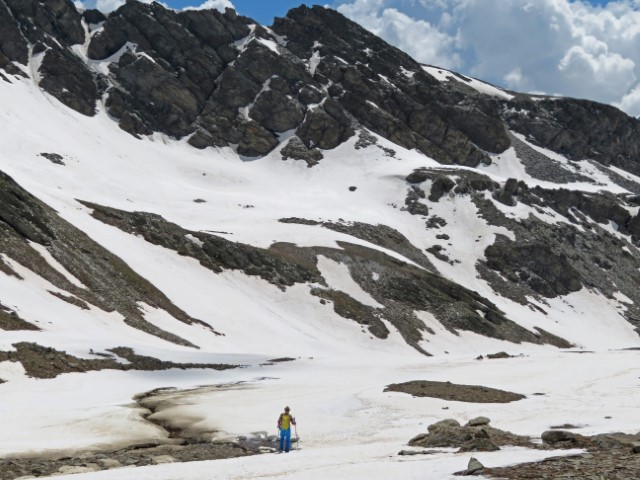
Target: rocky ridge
(220,79)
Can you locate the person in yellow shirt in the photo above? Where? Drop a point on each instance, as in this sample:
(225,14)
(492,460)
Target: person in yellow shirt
(284,425)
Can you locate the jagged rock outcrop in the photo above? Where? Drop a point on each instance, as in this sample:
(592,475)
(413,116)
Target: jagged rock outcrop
(578,129)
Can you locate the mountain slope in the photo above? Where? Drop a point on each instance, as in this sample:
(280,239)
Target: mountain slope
(202,189)
(316,82)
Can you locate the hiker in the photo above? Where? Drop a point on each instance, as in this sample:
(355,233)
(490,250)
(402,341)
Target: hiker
(285,420)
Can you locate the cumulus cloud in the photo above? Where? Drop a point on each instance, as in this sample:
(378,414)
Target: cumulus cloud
(105,5)
(110,5)
(211,4)
(415,36)
(630,103)
(566,47)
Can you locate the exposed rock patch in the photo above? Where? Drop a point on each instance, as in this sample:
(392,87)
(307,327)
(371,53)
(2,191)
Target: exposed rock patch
(45,362)
(454,392)
(297,150)
(54,158)
(542,167)
(134,456)
(348,307)
(578,129)
(10,320)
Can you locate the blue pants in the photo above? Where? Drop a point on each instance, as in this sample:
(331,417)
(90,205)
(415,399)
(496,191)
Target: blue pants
(285,439)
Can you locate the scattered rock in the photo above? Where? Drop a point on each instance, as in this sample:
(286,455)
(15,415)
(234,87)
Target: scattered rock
(478,421)
(499,355)
(553,437)
(417,452)
(53,158)
(474,467)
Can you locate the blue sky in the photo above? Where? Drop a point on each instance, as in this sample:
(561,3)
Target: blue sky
(579,48)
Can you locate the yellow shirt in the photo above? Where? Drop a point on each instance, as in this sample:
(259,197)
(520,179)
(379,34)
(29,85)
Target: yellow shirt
(285,421)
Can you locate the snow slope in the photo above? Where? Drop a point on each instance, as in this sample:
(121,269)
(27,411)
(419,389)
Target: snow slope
(349,426)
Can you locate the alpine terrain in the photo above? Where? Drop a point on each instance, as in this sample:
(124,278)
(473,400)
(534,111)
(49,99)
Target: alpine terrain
(203,219)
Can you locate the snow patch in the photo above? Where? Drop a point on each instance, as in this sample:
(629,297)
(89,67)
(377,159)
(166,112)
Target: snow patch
(339,278)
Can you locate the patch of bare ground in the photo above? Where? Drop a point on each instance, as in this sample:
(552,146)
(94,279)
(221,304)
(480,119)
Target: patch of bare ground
(46,362)
(617,464)
(454,392)
(10,320)
(134,455)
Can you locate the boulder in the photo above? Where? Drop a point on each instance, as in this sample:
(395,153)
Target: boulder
(440,186)
(554,437)
(478,421)
(479,444)
(474,467)
(297,150)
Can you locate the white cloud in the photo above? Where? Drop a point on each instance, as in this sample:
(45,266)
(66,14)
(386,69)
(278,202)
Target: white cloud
(418,37)
(213,4)
(110,5)
(105,5)
(557,46)
(630,103)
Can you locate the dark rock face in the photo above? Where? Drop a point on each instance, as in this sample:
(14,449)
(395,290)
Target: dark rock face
(191,74)
(220,80)
(67,78)
(546,272)
(51,27)
(93,17)
(578,129)
(551,259)
(38,21)
(362,68)
(165,80)
(13,45)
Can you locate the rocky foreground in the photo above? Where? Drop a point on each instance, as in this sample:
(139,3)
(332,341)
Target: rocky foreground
(608,456)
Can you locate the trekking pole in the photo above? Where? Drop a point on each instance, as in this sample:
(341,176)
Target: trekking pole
(295,427)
